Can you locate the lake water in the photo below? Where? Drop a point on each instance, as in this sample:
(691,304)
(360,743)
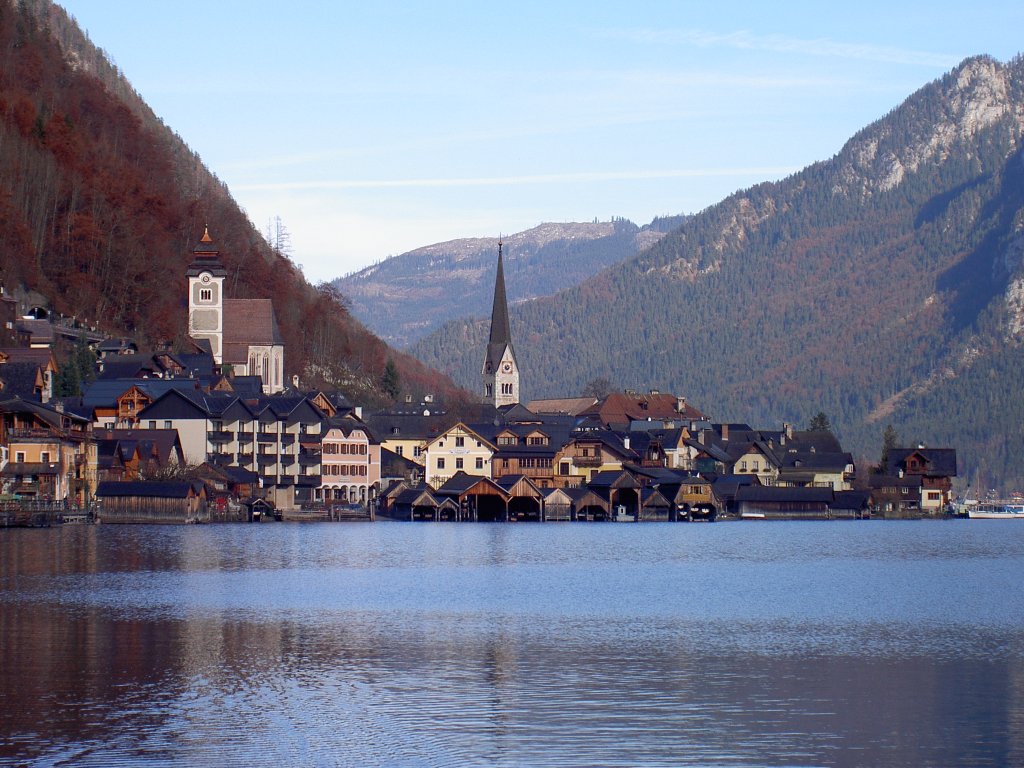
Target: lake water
(732,644)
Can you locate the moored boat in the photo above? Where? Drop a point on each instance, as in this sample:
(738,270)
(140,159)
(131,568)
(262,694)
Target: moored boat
(995,510)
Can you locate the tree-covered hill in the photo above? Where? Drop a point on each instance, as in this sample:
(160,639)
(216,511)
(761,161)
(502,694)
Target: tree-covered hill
(101,205)
(407,296)
(884,285)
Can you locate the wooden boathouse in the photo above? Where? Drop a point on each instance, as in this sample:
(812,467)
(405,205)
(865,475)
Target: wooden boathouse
(173,502)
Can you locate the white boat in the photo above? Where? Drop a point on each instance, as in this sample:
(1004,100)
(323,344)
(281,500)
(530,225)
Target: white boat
(996,510)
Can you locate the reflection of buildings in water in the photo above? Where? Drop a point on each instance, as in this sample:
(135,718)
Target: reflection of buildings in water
(1015,711)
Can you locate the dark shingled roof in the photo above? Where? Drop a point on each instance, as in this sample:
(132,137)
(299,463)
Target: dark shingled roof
(940,461)
(148,489)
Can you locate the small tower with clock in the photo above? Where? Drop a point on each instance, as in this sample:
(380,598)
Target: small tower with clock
(206,296)
(500,370)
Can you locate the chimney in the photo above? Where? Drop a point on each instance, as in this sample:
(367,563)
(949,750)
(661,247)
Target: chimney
(625,442)
(680,404)
(788,429)
(295,381)
(725,431)
(358,411)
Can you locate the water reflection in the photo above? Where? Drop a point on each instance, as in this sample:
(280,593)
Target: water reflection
(511,645)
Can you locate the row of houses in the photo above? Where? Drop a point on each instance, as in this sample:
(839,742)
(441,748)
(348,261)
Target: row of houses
(150,412)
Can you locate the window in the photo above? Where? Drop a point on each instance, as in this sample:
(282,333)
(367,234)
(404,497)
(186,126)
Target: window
(743,466)
(458,463)
(563,468)
(398,450)
(206,294)
(460,442)
(44,457)
(167,424)
(479,462)
(19,457)
(440,463)
(152,424)
(417,450)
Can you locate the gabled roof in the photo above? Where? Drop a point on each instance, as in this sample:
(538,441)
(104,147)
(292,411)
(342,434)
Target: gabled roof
(44,358)
(613,479)
(816,460)
(469,431)
(45,413)
(22,379)
(516,485)
(160,444)
(939,462)
(104,393)
(462,484)
(248,322)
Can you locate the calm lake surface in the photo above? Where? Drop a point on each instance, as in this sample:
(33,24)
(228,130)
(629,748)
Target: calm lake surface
(733,644)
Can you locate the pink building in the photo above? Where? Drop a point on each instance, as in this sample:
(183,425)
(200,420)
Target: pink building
(349,463)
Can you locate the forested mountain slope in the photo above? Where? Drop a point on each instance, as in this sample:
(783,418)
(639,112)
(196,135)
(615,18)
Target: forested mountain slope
(884,285)
(406,297)
(101,205)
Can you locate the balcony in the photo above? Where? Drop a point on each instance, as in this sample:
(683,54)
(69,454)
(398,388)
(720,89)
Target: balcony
(266,437)
(221,459)
(245,458)
(587,461)
(266,459)
(309,459)
(287,438)
(220,436)
(287,459)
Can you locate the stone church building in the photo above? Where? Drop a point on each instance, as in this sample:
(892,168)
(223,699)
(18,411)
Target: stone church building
(241,334)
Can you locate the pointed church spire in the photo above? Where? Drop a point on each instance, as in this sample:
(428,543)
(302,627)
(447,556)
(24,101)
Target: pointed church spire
(501,369)
(500,331)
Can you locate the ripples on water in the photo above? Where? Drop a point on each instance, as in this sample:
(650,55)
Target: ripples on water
(403,644)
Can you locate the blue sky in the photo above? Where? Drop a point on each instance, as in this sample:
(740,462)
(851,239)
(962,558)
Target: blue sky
(375,128)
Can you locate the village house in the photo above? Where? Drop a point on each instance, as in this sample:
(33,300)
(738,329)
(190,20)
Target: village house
(50,453)
(457,449)
(350,463)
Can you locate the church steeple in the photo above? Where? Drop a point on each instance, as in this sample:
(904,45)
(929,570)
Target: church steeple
(206,296)
(500,371)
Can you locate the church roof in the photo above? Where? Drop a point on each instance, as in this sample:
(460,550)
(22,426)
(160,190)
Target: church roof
(248,322)
(501,332)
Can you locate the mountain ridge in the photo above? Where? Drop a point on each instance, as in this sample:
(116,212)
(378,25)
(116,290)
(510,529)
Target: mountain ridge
(408,295)
(101,204)
(891,269)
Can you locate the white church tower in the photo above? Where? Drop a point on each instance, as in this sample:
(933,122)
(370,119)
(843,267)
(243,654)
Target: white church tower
(206,296)
(500,371)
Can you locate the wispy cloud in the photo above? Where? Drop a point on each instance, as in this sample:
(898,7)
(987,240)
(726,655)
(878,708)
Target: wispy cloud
(821,46)
(492,181)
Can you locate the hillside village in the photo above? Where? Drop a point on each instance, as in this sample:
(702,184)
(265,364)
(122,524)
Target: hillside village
(212,432)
